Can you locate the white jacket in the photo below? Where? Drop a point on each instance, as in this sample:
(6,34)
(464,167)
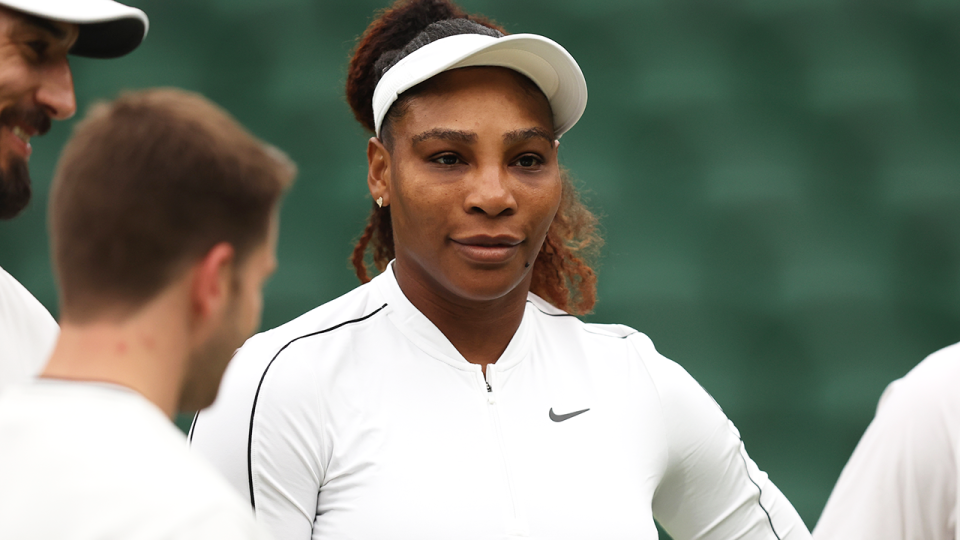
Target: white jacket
(901,482)
(28,333)
(360,420)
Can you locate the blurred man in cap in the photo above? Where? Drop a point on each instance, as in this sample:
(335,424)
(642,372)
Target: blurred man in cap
(36,86)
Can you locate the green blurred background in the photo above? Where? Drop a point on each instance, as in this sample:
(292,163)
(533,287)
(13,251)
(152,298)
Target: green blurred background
(779,182)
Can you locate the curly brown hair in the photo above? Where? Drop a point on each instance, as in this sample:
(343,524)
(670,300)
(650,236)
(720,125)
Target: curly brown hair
(562,272)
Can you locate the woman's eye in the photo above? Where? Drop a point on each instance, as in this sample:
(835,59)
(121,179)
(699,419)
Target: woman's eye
(528,161)
(447,159)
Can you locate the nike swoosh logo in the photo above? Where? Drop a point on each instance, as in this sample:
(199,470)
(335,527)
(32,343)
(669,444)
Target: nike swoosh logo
(561,417)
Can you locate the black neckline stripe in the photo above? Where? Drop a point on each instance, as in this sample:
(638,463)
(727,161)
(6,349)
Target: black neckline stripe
(759,492)
(538,308)
(550,314)
(256,396)
(625,336)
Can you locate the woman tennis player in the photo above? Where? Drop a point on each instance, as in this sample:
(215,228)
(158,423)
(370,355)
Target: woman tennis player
(453,396)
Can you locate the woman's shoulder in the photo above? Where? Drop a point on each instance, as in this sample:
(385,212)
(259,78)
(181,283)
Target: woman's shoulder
(621,352)
(286,352)
(356,306)
(555,318)
(562,323)
(571,330)
(612,342)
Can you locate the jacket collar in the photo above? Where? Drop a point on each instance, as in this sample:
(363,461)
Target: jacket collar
(416,327)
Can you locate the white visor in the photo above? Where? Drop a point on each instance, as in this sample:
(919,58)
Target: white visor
(107,29)
(541,60)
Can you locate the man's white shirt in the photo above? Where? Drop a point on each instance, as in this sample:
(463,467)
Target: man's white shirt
(361,420)
(96,461)
(27,333)
(901,481)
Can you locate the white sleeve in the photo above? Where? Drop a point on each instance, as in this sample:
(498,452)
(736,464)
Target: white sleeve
(901,481)
(28,333)
(263,434)
(711,489)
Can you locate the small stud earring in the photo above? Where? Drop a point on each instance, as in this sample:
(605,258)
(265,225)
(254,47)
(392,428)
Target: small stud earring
(380,202)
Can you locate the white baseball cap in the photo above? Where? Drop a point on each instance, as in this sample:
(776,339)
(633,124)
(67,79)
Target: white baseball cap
(541,60)
(107,29)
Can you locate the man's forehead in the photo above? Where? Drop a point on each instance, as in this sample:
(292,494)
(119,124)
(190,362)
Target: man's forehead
(62,31)
(59,30)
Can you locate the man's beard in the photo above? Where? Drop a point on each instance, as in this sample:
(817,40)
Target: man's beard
(15,189)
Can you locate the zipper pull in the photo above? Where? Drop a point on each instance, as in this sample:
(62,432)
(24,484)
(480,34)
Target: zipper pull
(489,388)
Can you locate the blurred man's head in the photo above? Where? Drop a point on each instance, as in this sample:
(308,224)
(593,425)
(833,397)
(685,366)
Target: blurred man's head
(162,189)
(36,84)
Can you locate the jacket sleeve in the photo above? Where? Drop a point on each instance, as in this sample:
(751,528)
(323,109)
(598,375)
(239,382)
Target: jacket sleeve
(901,481)
(263,434)
(711,489)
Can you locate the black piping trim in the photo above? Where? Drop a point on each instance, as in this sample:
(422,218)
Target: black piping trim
(575,317)
(759,492)
(256,396)
(609,336)
(193,424)
(550,314)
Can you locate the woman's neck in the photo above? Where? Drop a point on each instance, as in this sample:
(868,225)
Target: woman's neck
(480,330)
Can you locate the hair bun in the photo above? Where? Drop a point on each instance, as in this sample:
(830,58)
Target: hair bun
(382,42)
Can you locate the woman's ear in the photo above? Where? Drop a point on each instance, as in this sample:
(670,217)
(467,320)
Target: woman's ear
(378,171)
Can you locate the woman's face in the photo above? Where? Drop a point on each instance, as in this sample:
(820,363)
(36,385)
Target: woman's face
(472,182)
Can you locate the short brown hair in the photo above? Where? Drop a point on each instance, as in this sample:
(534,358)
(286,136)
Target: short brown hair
(146,185)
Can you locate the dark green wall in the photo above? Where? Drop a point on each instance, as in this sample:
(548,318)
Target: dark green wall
(779,182)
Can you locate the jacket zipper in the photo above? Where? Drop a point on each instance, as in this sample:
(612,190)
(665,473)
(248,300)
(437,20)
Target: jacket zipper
(495,417)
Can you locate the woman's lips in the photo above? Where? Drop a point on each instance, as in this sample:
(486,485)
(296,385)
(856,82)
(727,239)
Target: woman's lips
(487,249)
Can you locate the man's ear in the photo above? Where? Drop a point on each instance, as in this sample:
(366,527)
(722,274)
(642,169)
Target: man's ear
(378,171)
(212,281)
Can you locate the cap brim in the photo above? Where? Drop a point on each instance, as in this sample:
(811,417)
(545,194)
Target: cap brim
(108,29)
(540,59)
(545,63)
